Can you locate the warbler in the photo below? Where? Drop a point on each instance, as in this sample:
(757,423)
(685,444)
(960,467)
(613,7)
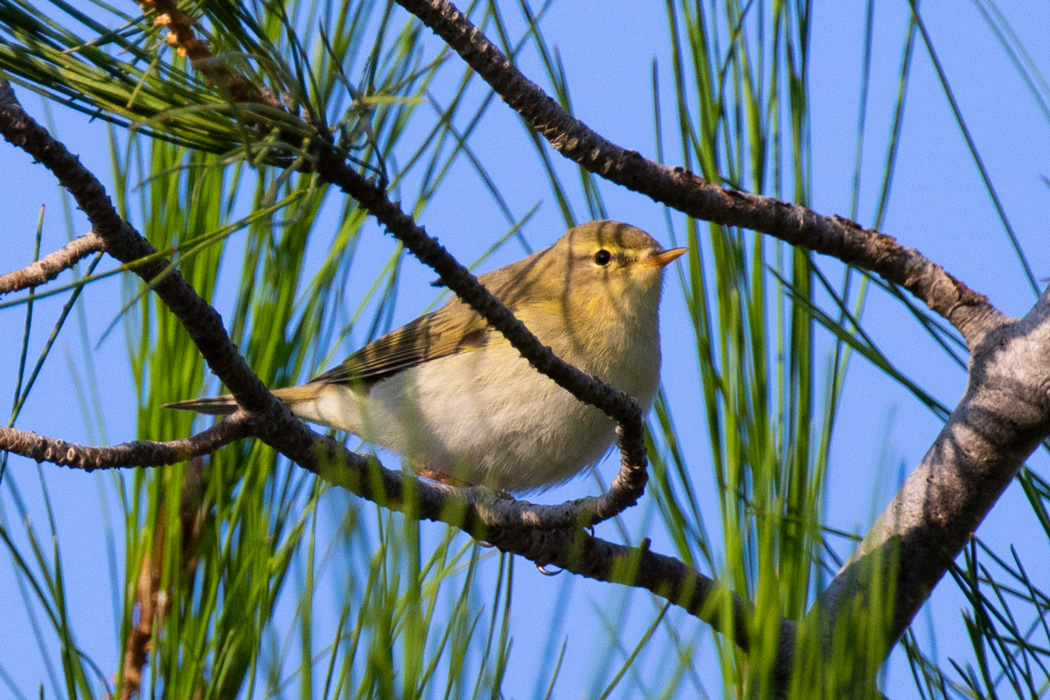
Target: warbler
(462,406)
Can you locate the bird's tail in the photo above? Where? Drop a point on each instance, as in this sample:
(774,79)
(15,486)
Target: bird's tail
(225,405)
(214,406)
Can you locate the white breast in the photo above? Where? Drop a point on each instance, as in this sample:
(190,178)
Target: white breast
(486,416)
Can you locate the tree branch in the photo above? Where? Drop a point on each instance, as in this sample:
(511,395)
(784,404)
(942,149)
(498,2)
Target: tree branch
(140,453)
(50,266)
(970,312)
(510,525)
(569,547)
(1000,420)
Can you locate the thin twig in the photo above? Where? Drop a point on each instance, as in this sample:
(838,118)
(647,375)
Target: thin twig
(50,266)
(180,34)
(140,453)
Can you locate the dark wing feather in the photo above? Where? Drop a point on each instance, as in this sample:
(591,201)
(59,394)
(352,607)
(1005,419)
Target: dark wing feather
(453,328)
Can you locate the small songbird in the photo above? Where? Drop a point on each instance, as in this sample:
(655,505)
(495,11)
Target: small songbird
(462,406)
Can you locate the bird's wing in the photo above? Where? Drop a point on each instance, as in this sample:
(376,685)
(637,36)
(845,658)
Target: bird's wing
(452,329)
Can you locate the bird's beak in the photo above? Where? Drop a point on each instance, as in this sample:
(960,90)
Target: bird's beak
(662,258)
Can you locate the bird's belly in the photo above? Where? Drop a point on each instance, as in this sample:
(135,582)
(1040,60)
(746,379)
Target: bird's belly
(486,418)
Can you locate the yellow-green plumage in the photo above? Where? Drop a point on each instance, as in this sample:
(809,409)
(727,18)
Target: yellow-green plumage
(459,403)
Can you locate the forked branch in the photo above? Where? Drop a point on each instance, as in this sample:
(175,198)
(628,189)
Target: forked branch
(543,534)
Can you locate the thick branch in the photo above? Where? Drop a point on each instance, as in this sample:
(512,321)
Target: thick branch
(1001,419)
(50,266)
(968,311)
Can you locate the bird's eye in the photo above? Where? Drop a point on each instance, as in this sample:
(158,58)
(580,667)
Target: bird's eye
(602,257)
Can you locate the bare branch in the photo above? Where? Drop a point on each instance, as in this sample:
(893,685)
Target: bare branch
(667,577)
(50,266)
(1001,419)
(139,453)
(570,548)
(508,524)
(970,312)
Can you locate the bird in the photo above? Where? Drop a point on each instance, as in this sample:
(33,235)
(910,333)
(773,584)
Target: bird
(461,406)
